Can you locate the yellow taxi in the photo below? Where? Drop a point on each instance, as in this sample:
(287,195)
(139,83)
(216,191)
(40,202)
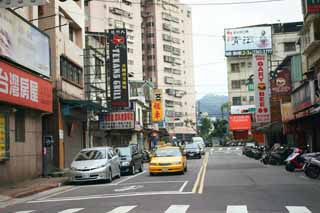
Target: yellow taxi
(168,159)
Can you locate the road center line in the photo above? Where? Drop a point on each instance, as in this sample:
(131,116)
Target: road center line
(183,186)
(195,186)
(203,174)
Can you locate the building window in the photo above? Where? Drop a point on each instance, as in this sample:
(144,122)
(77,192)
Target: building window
(249,64)
(98,67)
(289,46)
(236,84)
(71,33)
(236,101)
(235,67)
(243,64)
(150,24)
(70,71)
(130,62)
(20,126)
(251,99)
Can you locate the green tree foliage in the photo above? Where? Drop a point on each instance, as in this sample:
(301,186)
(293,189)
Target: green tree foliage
(220,128)
(205,128)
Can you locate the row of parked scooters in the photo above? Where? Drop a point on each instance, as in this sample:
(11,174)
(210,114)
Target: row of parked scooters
(294,159)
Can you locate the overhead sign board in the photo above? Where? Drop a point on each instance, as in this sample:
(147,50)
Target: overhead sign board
(243,109)
(157,106)
(21,3)
(22,88)
(117,120)
(239,122)
(23,43)
(281,83)
(117,39)
(313,6)
(248,41)
(262,99)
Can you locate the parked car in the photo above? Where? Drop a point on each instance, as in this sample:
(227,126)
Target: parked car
(93,164)
(192,150)
(131,159)
(247,147)
(208,143)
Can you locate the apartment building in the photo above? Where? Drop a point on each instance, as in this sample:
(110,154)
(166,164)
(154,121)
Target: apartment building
(168,61)
(101,16)
(64,22)
(240,72)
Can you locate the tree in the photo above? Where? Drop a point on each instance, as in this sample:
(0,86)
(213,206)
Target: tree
(224,108)
(220,128)
(205,128)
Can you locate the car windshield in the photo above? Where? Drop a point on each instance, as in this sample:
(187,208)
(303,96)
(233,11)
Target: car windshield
(168,153)
(124,151)
(91,155)
(192,146)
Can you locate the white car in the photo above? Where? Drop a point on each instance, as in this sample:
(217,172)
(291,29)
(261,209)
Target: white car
(93,164)
(199,140)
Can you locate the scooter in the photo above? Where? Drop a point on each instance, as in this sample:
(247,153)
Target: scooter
(298,159)
(312,168)
(277,156)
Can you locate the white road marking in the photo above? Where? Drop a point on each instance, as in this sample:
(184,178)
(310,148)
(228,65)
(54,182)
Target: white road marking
(128,188)
(177,209)
(228,148)
(26,211)
(212,149)
(183,186)
(122,209)
(71,210)
(220,149)
(104,196)
(237,148)
(153,182)
(58,193)
(298,209)
(128,178)
(237,209)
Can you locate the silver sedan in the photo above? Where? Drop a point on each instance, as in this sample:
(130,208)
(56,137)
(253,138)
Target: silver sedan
(98,163)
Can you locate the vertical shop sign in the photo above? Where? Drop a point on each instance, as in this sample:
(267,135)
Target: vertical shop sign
(262,100)
(157,106)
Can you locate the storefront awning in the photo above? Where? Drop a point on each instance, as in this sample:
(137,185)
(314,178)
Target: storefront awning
(88,105)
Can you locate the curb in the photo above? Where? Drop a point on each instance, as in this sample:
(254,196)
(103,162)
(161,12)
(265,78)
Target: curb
(36,190)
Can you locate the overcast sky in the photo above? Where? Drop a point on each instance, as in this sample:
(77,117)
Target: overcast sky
(209,23)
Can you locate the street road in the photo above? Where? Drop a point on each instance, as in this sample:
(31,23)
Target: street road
(222,181)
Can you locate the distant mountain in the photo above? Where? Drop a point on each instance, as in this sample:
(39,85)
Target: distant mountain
(211,104)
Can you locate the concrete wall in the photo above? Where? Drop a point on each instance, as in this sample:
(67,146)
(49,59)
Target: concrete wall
(25,158)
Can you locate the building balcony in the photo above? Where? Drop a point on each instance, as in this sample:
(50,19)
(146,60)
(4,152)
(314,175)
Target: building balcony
(310,37)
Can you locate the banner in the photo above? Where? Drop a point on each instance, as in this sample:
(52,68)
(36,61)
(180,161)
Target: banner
(23,43)
(281,83)
(248,41)
(239,122)
(117,40)
(262,102)
(313,6)
(21,88)
(3,136)
(157,106)
(117,120)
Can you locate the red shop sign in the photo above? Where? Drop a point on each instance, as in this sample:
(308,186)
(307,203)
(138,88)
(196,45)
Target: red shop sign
(21,88)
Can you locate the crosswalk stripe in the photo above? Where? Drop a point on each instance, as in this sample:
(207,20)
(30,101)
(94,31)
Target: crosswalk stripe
(298,209)
(220,149)
(237,148)
(177,209)
(237,209)
(26,211)
(71,210)
(122,209)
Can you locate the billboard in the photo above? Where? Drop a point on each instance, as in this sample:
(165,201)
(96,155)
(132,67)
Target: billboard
(23,43)
(239,122)
(261,82)
(21,3)
(117,39)
(248,41)
(243,109)
(117,120)
(281,83)
(313,6)
(157,106)
(21,88)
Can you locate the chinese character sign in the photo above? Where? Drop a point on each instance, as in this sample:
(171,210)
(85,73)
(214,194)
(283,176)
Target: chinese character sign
(21,88)
(117,120)
(118,67)
(3,135)
(313,6)
(262,100)
(157,106)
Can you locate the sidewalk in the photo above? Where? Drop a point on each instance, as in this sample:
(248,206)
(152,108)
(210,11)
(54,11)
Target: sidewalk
(30,187)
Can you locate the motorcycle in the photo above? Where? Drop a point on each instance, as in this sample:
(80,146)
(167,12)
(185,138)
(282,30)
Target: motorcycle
(277,156)
(312,167)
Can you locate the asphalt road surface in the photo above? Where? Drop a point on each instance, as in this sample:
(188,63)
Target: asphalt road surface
(223,181)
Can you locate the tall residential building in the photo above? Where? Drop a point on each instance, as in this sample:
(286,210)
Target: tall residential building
(168,61)
(101,16)
(284,42)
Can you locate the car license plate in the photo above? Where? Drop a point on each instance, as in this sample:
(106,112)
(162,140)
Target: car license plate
(86,175)
(164,170)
